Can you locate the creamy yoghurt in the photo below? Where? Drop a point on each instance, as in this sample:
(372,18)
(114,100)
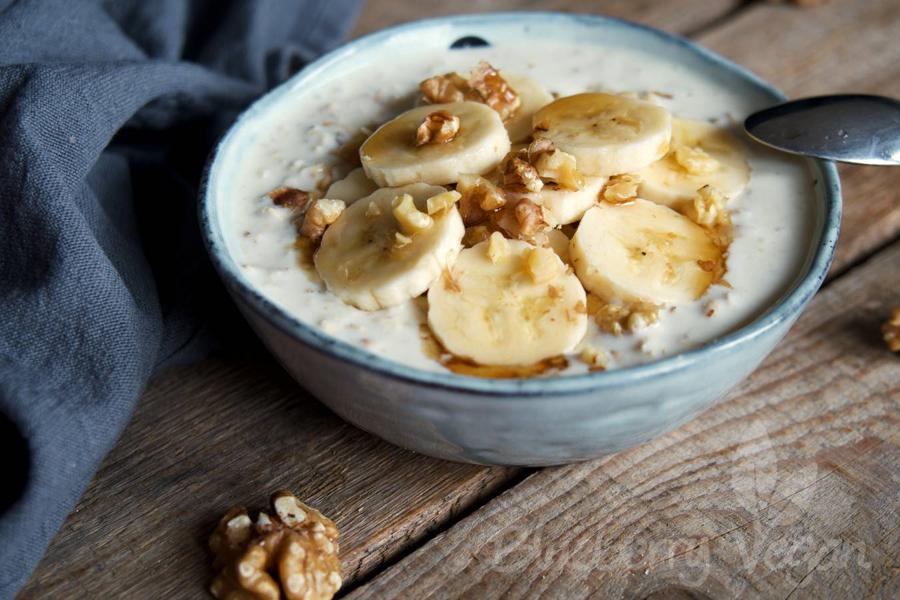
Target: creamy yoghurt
(295,145)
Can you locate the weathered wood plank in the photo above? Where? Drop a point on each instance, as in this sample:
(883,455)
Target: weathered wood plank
(790,488)
(841,47)
(227,431)
(210,436)
(685,16)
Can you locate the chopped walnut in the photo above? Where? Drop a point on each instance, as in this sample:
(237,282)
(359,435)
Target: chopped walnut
(542,264)
(320,215)
(537,148)
(695,160)
(618,319)
(641,318)
(557,167)
(891,330)
(291,198)
(530,168)
(497,247)
(231,536)
(595,358)
(438,127)
(484,84)
(519,175)
(622,188)
(294,553)
(441,89)
(409,217)
(708,210)
(478,197)
(441,202)
(529,217)
(475,235)
(494,90)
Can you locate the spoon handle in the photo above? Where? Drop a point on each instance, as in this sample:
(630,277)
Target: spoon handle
(849,128)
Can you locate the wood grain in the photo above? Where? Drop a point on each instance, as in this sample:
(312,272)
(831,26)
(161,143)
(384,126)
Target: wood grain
(227,431)
(790,488)
(220,433)
(684,16)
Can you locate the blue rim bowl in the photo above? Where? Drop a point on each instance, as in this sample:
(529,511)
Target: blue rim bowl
(777,317)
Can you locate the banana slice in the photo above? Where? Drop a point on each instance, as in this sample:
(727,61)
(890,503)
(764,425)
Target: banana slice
(565,206)
(644,252)
(607,134)
(533,97)
(701,154)
(505,302)
(391,157)
(377,254)
(352,187)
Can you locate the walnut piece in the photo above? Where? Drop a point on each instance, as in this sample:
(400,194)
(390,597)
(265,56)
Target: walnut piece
(319,216)
(707,209)
(439,127)
(494,90)
(520,176)
(618,319)
(484,84)
(497,247)
(292,198)
(557,167)
(537,148)
(542,265)
(475,235)
(521,220)
(440,89)
(478,196)
(311,214)
(410,219)
(294,553)
(540,163)
(441,202)
(621,188)
(529,219)
(891,330)
(595,358)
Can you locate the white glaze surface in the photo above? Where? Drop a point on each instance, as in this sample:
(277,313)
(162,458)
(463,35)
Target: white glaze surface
(772,219)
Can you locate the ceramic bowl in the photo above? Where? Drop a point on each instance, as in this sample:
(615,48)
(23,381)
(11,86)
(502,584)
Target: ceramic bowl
(540,421)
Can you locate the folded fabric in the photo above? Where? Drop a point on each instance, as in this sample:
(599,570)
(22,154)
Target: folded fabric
(107,112)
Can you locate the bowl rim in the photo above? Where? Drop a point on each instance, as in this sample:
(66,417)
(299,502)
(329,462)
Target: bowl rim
(788,306)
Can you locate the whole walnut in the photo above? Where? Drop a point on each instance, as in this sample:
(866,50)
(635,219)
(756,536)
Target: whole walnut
(293,552)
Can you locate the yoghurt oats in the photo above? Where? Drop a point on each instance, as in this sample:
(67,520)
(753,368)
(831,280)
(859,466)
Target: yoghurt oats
(518,211)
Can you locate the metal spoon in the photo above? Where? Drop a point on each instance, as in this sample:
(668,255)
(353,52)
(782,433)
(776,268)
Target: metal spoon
(849,128)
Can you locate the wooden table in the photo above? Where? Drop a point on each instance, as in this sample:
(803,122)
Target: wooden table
(789,488)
